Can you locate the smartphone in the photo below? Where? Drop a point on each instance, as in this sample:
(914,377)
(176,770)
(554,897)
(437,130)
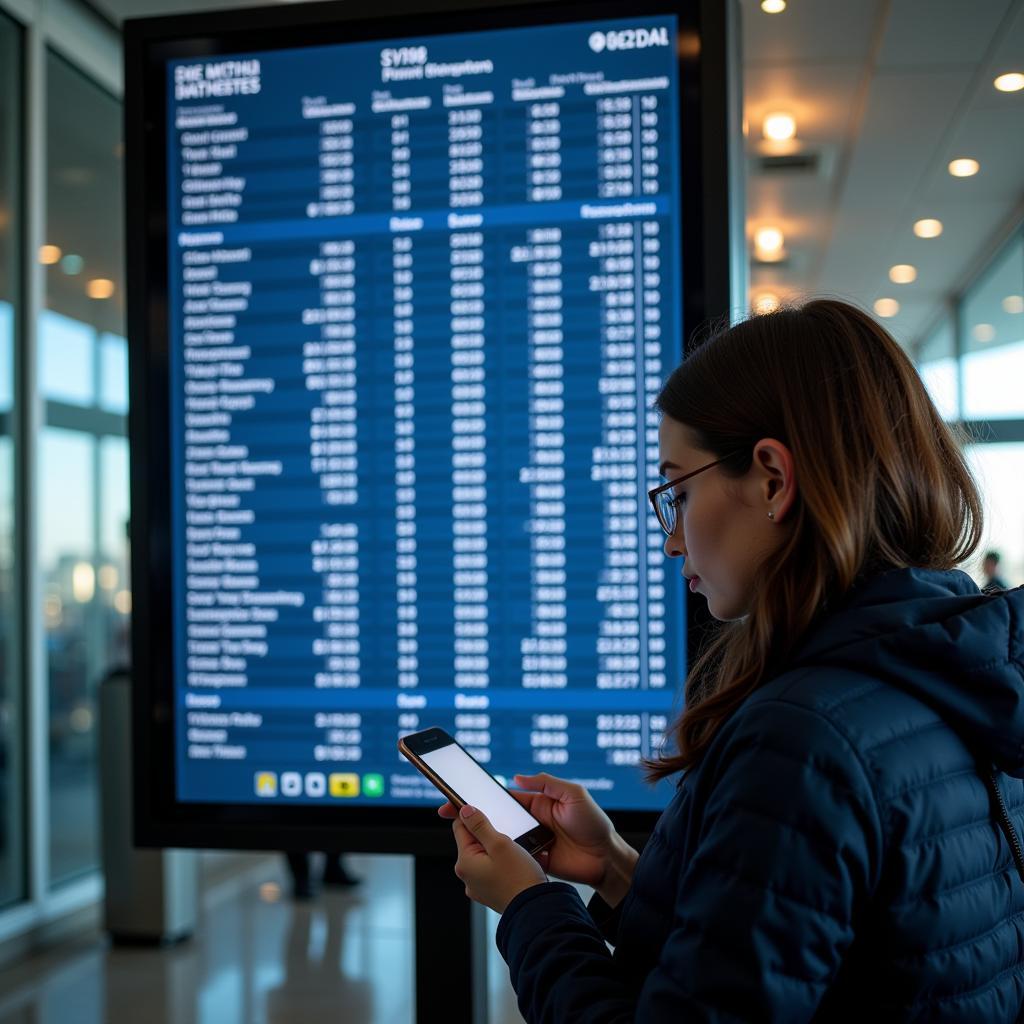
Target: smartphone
(465,781)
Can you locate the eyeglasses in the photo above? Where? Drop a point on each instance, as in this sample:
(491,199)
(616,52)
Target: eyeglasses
(665,503)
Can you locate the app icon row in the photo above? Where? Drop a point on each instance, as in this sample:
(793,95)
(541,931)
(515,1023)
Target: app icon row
(340,785)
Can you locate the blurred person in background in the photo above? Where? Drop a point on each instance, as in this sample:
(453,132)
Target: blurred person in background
(990,569)
(335,873)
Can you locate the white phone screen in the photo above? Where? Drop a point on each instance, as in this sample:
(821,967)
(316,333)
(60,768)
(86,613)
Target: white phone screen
(478,789)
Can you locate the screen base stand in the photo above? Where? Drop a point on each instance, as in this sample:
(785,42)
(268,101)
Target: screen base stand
(451,947)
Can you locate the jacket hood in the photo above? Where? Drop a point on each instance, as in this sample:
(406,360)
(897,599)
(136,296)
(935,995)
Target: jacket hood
(936,636)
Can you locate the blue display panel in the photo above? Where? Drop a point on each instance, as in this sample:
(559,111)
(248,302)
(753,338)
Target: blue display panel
(422,295)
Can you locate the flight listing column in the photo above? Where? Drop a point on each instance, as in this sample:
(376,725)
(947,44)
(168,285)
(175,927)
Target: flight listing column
(268,343)
(544,651)
(228,612)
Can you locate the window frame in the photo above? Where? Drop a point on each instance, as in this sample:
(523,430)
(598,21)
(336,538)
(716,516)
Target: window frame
(80,36)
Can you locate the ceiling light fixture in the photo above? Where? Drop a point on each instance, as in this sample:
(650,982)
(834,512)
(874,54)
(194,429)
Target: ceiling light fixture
(49,254)
(902,273)
(1013,304)
(984,333)
(1012,81)
(779,126)
(768,244)
(886,307)
(964,167)
(773,6)
(928,228)
(72,264)
(99,288)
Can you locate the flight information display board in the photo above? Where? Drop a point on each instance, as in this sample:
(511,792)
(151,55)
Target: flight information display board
(421,294)
(402,286)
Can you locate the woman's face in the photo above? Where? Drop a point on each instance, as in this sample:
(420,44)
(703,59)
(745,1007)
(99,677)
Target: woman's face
(723,529)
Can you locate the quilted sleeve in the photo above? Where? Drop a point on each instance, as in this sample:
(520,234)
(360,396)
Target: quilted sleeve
(605,917)
(789,852)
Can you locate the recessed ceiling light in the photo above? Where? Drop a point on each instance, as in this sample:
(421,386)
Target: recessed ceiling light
(270,892)
(963,167)
(99,288)
(886,307)
(1014,304)
(768,243)
(983,332)
(902,273)
(779,127)
(773,6)
(928,228)
(72,264)
(766,302)
(1012,81)
(49,254)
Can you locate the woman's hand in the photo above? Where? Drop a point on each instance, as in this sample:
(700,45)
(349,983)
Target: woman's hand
(494,868)
(587,848)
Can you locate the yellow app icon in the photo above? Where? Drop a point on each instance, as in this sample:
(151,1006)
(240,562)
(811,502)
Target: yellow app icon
(343,784)
(266,783)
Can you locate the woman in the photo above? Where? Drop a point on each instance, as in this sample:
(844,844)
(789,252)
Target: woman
(844,840)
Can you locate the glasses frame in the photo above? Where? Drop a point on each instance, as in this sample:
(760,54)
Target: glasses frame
(652,494)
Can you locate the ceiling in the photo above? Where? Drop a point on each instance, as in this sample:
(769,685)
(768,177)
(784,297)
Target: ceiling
(885,93)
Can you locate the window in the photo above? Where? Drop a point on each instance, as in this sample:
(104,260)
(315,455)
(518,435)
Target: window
(12,802)
(992,328)
(997,469)
(83,488)
(937,365)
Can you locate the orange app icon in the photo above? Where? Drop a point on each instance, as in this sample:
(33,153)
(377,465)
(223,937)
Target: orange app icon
(343,784)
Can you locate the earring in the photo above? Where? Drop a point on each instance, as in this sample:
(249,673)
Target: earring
(771,515)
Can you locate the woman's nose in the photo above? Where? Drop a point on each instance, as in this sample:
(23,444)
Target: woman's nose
(674,545)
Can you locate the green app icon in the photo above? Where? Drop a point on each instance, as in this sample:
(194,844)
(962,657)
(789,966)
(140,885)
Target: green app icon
(373,784)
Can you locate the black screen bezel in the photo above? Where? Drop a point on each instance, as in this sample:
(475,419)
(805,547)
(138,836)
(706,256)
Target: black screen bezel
(160,819)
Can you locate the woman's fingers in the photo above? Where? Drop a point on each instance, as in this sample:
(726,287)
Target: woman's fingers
(533,802)
(528,800)
(547,784)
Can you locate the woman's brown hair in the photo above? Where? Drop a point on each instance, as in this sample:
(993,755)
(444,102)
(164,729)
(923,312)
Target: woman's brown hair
(882,483)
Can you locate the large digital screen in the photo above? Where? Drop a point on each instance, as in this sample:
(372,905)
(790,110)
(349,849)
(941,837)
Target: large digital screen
(404,279)
(421,295)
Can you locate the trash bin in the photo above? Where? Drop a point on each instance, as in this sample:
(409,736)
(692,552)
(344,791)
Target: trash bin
(151,895)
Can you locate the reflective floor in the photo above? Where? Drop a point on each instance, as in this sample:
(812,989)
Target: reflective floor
(257,958)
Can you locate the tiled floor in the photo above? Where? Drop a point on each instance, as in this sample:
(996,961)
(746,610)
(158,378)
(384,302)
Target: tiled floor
(257,958)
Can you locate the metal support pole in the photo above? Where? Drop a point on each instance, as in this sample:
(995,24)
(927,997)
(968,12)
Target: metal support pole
(451,947)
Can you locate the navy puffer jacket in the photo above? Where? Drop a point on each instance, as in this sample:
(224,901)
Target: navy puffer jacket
(845,850)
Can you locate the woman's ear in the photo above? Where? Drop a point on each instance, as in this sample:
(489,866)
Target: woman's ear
(775,476)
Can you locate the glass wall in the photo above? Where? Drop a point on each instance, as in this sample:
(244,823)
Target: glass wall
(992,331)
(83,485)
(937,364)
(999,470)
(11,789)
(972,362)
(992,328)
